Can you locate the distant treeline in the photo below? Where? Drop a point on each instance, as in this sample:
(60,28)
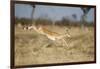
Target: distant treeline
(43,21)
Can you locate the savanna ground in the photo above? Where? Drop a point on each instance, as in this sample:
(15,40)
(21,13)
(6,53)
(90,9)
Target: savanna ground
(32,48)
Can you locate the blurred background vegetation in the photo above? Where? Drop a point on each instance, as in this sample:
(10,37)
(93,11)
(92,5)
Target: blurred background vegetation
(65,21)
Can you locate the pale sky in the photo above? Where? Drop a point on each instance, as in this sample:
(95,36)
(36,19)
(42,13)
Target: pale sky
(52,12)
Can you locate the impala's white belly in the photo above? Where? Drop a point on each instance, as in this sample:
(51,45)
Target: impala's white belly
(51,37)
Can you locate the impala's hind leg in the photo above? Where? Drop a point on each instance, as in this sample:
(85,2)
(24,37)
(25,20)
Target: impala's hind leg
(65,43)
(48,44)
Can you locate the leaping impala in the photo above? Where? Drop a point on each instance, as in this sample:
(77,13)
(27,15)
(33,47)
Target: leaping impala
(50,34)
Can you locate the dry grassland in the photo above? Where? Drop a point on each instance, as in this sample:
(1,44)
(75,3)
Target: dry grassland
(32,48)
